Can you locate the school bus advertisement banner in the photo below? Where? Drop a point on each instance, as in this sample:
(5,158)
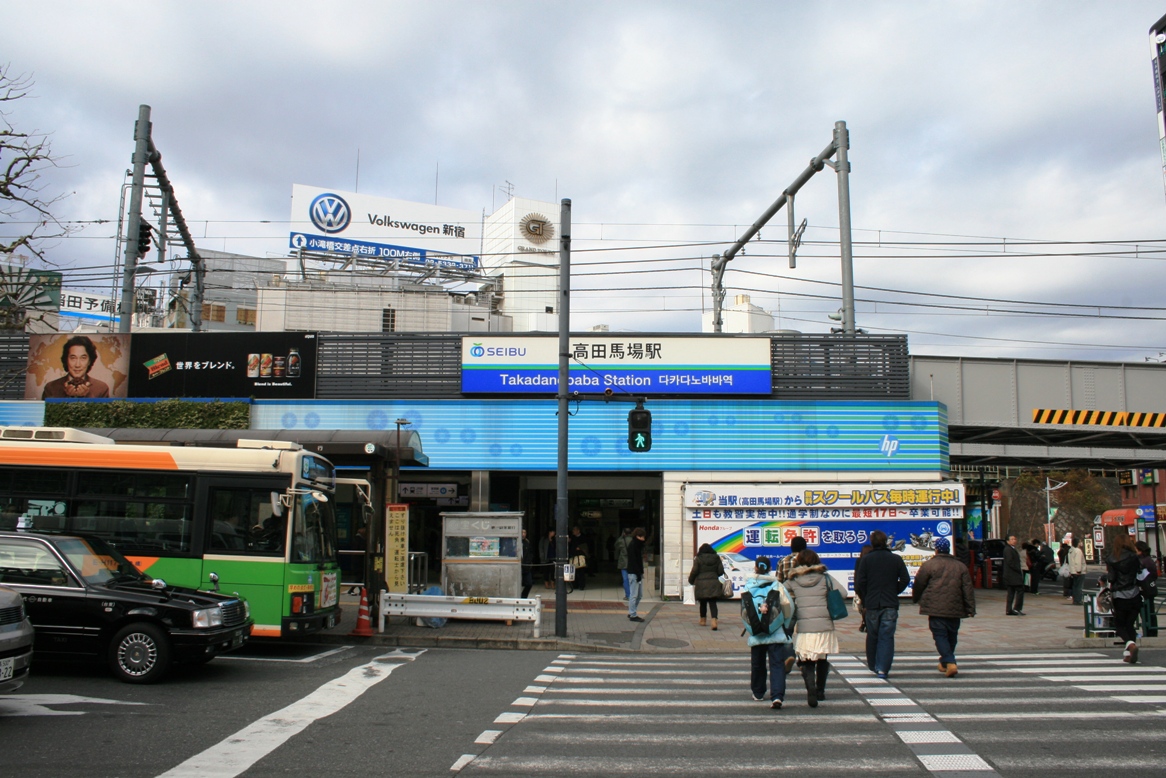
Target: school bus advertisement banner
(747,527)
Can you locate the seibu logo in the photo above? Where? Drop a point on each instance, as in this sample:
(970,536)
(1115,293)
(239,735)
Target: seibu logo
(478,350)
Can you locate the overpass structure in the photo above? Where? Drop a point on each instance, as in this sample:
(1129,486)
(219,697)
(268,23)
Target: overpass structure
(1049,414)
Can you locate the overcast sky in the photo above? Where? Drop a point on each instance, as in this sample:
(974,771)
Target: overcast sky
(975,127)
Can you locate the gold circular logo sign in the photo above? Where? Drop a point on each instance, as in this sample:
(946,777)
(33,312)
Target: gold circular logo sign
(536,228)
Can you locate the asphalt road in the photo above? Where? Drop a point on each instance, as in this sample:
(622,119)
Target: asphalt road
(331,710)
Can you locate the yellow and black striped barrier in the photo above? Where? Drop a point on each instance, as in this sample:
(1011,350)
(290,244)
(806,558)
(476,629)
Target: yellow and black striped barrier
(1098,418)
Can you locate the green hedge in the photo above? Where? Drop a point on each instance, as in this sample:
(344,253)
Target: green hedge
(167,414)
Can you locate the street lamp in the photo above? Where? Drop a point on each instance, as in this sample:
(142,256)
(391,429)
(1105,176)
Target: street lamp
(1049,508)
(397,460)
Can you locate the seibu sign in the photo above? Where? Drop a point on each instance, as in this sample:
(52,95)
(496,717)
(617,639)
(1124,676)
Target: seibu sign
(640,365)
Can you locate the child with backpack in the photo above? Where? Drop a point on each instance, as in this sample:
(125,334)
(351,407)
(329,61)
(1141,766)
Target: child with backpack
(767,610)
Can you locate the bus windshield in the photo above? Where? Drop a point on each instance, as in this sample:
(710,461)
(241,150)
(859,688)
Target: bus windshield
(313,530)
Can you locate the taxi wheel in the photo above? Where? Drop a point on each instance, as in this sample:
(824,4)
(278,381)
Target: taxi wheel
(139,653)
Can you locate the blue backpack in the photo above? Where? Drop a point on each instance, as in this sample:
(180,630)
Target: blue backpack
(757,623)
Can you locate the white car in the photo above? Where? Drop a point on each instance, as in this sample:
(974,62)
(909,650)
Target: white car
(737,568)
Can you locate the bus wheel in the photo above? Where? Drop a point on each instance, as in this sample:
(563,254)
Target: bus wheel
(139,653)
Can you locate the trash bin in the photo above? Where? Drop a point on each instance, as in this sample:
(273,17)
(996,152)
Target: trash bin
(482,554)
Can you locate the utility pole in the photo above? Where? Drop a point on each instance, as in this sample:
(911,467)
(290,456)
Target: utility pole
(839,145)
(141,157)
(561,502)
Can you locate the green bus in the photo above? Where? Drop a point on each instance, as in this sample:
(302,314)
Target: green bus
(255,518)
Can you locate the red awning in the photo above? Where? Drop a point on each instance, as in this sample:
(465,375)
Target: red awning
(1121,517)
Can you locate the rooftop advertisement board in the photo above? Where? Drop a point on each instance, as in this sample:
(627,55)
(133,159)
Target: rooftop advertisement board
(638,364)
(349,223)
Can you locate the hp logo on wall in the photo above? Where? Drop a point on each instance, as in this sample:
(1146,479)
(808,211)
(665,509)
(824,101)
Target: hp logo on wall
(330,213)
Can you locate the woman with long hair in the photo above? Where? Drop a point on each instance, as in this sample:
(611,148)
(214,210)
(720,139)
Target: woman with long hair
(815,640)
(1123,568)
(707,568)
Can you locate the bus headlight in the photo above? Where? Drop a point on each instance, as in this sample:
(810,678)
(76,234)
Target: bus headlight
(246,610)
(207,618)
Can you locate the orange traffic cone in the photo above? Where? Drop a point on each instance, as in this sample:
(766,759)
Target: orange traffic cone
(363,625)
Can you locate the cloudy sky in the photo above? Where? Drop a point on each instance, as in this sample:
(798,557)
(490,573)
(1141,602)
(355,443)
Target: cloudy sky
(1006,186)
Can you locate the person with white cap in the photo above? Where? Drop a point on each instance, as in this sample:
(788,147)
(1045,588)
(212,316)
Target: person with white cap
(943,589)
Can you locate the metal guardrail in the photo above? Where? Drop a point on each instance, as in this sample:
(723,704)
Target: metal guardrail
(443,607)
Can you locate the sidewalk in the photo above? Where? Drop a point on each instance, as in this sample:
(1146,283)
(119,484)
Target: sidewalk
(597,622)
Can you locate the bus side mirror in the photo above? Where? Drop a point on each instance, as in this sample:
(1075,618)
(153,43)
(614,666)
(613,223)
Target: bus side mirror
(276,504)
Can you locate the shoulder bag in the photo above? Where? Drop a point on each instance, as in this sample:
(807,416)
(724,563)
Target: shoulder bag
(835,602)
(727,589)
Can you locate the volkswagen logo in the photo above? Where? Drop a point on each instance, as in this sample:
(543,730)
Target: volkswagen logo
(330,213)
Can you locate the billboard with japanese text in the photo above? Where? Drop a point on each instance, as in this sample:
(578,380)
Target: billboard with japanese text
(745,521)
(263,365)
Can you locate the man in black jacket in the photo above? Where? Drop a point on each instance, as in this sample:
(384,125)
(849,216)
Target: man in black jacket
(880,576)
(1013,576)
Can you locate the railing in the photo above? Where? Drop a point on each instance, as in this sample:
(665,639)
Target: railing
(441,607)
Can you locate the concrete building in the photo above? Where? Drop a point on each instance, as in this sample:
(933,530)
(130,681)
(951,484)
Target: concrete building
(521,248)
(741,318)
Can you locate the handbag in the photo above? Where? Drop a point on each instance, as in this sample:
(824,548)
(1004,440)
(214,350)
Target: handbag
(579,561)
(835,602)
(727,589)
(1064,571)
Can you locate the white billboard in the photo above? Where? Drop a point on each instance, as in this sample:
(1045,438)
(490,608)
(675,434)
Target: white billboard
(349,223)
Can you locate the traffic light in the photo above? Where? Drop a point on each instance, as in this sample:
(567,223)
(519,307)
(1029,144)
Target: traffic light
(639,429)
(144,241)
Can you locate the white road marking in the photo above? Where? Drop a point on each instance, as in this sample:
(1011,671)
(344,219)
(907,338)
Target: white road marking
(1122,687)
(509,718)
(462,761)
(240,751)
(488,737)
(38,704)
(305,660)
(524,702)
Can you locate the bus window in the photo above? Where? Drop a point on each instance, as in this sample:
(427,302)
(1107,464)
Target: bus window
(132,527)
(242,522)
(313,530)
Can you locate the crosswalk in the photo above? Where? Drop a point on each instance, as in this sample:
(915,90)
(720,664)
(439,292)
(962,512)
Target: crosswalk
(1054,713)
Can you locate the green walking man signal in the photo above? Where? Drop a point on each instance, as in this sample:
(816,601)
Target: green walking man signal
(639,429)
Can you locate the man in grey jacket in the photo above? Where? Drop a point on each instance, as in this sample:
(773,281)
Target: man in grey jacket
(943,589)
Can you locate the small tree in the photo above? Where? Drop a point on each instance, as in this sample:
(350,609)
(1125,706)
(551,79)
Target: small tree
(26,213)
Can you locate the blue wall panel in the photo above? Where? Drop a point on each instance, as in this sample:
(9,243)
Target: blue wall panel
(22,413)
(761,435)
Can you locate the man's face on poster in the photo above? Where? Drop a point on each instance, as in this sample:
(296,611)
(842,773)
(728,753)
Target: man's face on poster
(78,361)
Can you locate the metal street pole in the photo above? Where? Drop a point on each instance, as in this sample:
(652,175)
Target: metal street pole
(1157,540)
(842,168)
(561,503)
(141,157)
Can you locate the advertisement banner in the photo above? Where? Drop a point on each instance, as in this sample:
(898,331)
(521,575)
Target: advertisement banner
(263,365)
(67,366)
(397,547)
(899,496)
(634,365)
(331,221)
(745,521)
(838,542)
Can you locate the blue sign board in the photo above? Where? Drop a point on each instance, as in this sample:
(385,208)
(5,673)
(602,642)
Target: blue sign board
(368,249)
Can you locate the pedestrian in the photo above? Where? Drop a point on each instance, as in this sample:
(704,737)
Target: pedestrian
(880,577)
(527,565)
(578,551)
(1013,575)
(766,608)
(546,556)
(636,572)
(621,557)
(796,546)
(1123,567)
(858,604)
(943,589)
(1032,562)
(1149,587)
(1046,558)
(808,585)
(1077,571)
(1062,560)
(707,568)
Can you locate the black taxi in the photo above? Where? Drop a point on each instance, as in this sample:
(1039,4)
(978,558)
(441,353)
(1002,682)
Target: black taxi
(87,601)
